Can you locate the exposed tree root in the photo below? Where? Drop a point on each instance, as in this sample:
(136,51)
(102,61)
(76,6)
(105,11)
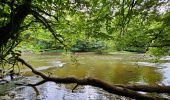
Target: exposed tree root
(128,91)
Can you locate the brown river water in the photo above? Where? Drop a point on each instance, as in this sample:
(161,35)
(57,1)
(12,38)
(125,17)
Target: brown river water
(111,68)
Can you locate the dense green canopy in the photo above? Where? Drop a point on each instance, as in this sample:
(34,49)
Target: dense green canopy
(132,25)
(129,24)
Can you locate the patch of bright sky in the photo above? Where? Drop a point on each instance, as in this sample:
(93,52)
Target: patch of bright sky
(164,8)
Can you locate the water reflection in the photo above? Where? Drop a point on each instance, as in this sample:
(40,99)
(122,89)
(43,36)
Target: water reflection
(115,69)
(110,69)
(52,91)
(165,70)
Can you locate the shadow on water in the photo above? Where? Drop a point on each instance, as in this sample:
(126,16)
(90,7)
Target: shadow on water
(115,69)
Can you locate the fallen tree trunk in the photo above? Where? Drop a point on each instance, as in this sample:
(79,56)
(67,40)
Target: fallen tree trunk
(147,88)
(115,89)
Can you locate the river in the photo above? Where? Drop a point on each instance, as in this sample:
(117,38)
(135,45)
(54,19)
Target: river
(112,68)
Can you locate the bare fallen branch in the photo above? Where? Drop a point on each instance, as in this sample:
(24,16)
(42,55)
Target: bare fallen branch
(119,90)
(147,88)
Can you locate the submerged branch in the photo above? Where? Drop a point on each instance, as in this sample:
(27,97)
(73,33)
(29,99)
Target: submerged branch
(119,90)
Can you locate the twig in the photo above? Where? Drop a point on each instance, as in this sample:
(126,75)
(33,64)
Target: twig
(74,87)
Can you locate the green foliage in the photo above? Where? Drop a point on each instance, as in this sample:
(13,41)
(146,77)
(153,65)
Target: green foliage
(87,45)
(10,63)
(158,51)
(131,25)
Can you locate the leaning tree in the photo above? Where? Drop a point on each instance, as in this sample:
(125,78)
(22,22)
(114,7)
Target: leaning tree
(130,23)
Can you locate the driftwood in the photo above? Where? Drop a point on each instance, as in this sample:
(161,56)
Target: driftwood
(122,90)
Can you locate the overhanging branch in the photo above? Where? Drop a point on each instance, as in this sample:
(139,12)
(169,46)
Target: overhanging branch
(28,25)
(44,12)
(45,22)
(119,90)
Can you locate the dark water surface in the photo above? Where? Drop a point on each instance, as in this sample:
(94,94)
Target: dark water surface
(114,69)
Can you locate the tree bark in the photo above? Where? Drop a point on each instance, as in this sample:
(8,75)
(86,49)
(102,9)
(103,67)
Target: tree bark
(147,88)
(11,29)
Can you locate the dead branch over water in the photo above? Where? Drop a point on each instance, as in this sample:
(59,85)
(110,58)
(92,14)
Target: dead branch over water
(122,90)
